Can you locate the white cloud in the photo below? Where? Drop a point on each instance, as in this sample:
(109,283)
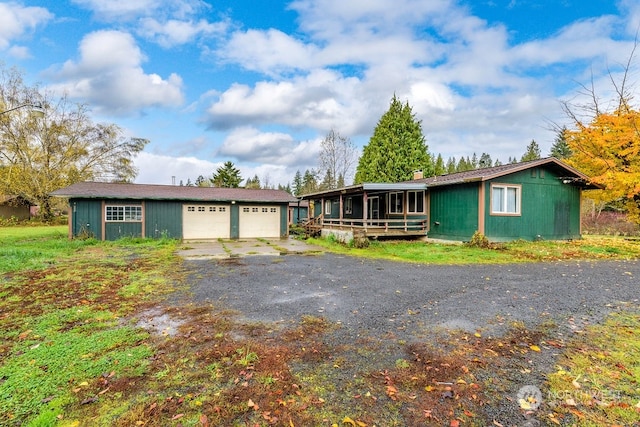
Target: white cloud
(109,76)
(321,100)
(174,32)
(17,20)
(248,144)
(164,169)
(168,170)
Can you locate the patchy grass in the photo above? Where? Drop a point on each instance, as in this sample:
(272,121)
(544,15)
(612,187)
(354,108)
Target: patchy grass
(24,248)
(63,341)
(71,353)
(591,247)
(595,382)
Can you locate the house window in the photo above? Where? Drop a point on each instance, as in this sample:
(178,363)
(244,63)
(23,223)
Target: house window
(505,199)
(222,209)
(396,202)
(265,210)
(201,209)
(416,201)
(123,213)
(254,209)
(348,205)
(327,207)
(212,209)
(274,210)
(191,208)
(245,209)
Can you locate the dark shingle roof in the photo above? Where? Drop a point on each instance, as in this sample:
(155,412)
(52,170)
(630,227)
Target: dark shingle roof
(485,174)
(104,190)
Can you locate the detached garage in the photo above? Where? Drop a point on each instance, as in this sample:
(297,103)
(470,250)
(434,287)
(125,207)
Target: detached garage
(108,211)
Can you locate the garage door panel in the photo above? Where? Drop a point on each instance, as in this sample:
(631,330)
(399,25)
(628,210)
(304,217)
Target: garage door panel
(259,221)
(205,221)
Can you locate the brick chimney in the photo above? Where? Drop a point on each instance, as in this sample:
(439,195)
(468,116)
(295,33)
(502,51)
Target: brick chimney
(417,174)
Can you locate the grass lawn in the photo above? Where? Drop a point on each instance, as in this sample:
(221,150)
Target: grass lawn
(72,353)
(591,247)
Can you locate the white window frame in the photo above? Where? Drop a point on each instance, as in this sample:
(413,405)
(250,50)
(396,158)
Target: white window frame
(348,205)
(416,195)
(123,213)
(396,208)
(502,207)
(327,207)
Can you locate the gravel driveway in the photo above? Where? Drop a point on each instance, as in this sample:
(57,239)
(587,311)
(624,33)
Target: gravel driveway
(377,296)
(396,304)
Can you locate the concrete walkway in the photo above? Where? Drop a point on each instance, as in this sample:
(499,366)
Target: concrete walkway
(218,249)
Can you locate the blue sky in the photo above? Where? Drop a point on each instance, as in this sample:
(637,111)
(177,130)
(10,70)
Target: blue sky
(260,83)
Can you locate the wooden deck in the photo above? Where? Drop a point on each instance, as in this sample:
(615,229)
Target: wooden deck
(374,228)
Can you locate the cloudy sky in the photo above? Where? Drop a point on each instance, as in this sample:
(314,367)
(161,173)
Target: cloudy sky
(261,82)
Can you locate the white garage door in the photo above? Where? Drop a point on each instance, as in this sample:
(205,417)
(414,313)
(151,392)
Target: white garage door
(259,221)
(205,222)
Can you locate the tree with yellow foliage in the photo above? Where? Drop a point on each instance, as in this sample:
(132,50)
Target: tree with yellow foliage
(606,145)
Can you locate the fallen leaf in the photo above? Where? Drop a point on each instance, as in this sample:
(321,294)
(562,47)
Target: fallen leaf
(204,421)
(495,423)
(534,348)
(454,423)
(25,334)
(347,420)
(177,417)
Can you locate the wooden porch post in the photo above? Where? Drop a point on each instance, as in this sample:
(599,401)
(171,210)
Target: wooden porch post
(365,210)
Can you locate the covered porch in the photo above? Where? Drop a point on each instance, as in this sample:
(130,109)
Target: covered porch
(372,210)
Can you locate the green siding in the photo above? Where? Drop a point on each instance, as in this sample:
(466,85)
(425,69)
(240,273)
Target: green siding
(549,209)
(117,230)
(453,212)
(163,219)
(86,218)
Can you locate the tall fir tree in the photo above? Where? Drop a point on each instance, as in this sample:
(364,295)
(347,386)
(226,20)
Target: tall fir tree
(396,148)
(297,184)
(560,148)
(227,176)
(532,152)
(439,167)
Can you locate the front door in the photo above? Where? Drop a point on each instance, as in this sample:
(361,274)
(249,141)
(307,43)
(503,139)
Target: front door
(374,209)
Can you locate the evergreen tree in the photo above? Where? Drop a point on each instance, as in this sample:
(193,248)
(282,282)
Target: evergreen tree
(340,182)
(497,163)
(253,182)
(485,161)
(201,181)
(439,167)
(396,149)
(451,165)
(532,153)
(297,184)
(560,148)
(227,176)
(309,182)
(328,182)
(474,161)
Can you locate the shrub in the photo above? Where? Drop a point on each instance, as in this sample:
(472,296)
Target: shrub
(478,240)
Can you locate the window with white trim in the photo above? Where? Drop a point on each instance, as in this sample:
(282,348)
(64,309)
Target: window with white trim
(245,209)
(348,205)
(416,202)
(222,209)
(123,213)
(327,207)
(505,199)
(396,203)
(274,210)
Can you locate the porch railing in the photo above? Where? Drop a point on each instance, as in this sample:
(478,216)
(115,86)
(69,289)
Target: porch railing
(386,225)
